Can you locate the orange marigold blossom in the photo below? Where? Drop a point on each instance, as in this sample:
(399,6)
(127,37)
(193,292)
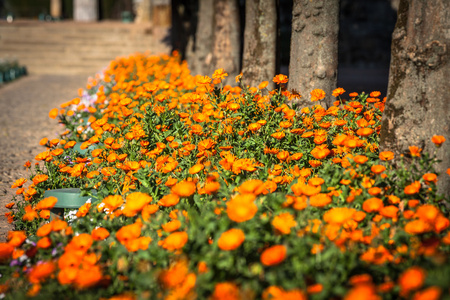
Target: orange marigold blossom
(241,208)
(317,94)
(99,234)
(413,188)
(171,226)
(273,255)
(88,277)
(135,202)
(18,183)
(372,205)
(16,238)
(46,203)
(415,151)
(280,78)
(175,241)
(231,239)
(284,222)
(438,140)
(339,215)
(128,232)
(411,279)
(169,200)
(110,203)
(320,200)
(386,155)
(41,272)
(250,186)
(226,291)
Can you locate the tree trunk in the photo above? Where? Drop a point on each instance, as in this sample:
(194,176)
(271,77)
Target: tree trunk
(182,21)
(418,103)
(260,42)
(314,48)
(199,49)
(226,44)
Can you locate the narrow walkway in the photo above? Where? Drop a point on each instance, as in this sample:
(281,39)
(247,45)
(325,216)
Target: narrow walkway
(24,107)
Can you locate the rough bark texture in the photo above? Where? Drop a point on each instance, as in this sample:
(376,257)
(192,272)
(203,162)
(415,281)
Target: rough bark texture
(314,48)
(226,44)
(199,49)
(260,42)
(418,101)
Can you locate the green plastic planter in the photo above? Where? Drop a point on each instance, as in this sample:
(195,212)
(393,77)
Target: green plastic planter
(69,198)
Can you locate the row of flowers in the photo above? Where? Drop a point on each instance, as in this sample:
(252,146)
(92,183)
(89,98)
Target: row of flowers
(217,192)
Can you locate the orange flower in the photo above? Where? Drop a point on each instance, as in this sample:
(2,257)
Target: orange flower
(278,135)
(88,277)
(378,169)
(364,131)
(81,242)
(438,140)
(16,238)
(231,239)
(413,188)
(280,78)
(284,222)
(360,159)
(430,177)
(46,203)
(320,200)
(39,178)
(135,203)
(128,233)
(30,214)
(431,293)
(196,168)
(415,151)
(372,205)
(6,251)
(44,243)
(171,226)
(175,241)
(386,155)
(337,92)
(263,85)
(226,291)
(184,189)
(317,95)
(242,208)
(111,203)
(212,187)
(169,200)
(53,113)
(250,186)
(411,279)
(273,255)
(99,234)
(219,74)
(18,183)
(41,272)
(339,215)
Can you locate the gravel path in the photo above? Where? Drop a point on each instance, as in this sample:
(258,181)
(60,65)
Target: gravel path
(24,121)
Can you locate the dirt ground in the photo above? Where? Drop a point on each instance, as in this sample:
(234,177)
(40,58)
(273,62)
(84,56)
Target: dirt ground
(24,107)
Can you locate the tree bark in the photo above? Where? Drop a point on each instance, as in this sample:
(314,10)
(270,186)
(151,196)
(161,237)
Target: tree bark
(226,45)
(260,42)
(418,101)
(199,49)
(314,48)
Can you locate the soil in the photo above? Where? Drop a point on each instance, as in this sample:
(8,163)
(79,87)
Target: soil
(24,121)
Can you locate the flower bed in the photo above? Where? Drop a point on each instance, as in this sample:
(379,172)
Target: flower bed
(215,192)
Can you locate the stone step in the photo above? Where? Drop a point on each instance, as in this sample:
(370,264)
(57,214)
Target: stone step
(71,48)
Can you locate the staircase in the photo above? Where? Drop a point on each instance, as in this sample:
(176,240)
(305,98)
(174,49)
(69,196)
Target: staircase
(69,47)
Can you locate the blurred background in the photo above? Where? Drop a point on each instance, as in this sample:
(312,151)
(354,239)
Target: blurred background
(93,32)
